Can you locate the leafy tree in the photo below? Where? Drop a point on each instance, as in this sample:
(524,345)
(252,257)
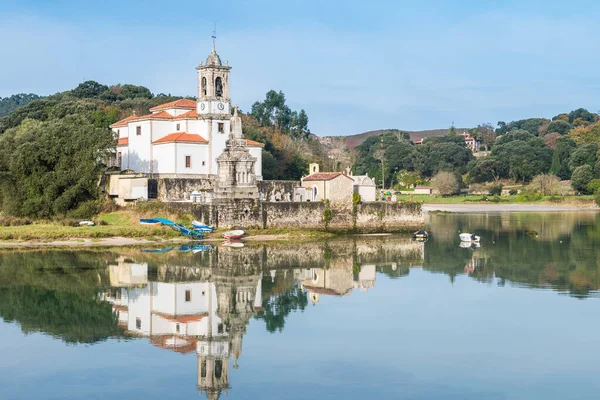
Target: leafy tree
(89,89)
(442,153)
(486,169)
(581,116)
(523,157)
(559,126)
(586,134)
(7,104)
(581,178)
(50,167)
(273,112)
(586,154)
(561,157)
(531,125)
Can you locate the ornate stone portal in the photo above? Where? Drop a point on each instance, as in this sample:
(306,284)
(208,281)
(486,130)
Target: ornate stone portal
(236,178)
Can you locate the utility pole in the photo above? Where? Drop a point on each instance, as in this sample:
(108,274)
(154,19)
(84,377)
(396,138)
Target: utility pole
(382,170)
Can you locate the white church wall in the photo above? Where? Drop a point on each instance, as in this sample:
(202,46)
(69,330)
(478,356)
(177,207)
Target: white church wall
(257,152)
(195,126)
(170,298)
(198,154)
(160,129)
(218,142)
(164,158)
(176,111)
(139,147)
(139,308)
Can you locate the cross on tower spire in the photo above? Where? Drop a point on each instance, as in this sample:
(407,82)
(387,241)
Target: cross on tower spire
(214,36)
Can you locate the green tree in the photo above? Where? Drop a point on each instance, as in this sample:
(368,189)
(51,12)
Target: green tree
(581,178)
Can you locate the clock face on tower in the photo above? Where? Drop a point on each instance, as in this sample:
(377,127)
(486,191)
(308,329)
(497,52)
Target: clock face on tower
(220,106)
(202,106)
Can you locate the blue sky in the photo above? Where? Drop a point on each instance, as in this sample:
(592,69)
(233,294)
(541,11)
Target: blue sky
(352,65)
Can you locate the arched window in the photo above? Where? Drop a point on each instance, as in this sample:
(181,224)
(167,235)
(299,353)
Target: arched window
(203,86)
(218,368)
(218,87)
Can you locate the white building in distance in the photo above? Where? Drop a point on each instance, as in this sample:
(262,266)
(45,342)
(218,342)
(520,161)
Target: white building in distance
(183,138)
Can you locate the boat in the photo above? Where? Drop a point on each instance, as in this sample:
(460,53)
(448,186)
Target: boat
(157,250)
(470,245)
(87,223)
(468,237)
(420,235)
(202,247)
(199,226)
(185,231)
(150,222)
(235,234)
(232,243)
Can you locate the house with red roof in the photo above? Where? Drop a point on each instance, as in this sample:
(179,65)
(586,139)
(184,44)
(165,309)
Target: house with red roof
(332,186)
(183,138)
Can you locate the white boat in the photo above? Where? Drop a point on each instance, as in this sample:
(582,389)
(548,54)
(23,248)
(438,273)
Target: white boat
(468,237)
(232,243)
(470,245)
(236,234)
(87,223)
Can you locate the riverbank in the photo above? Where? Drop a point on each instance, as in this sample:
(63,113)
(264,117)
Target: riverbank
(500,207)
(479,199)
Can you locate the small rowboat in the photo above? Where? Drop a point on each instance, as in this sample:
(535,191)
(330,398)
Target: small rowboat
(87,223)
(199,226)
(236,234)
(468,237)
(150,222)
(420,235)
(232,243)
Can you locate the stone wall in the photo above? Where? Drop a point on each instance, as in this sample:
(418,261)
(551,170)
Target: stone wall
(308,215)
(375,216)
(278,189)
(180,189)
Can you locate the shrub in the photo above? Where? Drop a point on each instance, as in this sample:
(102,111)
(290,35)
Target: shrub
(527,196)
(597,198)
(546,185)
(513,192)
(594,186)
(86,209)
(445,183)
(496,190)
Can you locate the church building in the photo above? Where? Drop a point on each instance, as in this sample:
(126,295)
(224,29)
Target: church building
(184,138)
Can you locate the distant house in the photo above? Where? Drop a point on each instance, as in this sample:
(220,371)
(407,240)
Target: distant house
(423,190)
(470,141)
(332,186)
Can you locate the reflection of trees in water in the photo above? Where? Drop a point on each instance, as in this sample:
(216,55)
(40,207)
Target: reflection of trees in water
(55,292)
(562,255)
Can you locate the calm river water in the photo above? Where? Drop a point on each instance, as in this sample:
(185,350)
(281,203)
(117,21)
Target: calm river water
(354,318)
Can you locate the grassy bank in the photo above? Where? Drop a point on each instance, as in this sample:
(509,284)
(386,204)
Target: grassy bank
(126,224)
(471,199)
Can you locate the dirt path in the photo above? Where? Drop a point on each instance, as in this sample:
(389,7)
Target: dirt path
(484,208)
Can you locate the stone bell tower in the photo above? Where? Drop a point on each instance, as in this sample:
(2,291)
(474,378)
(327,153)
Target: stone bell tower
(236,178)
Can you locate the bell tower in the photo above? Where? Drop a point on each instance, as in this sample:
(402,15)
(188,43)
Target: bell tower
(214,104)
(213,85)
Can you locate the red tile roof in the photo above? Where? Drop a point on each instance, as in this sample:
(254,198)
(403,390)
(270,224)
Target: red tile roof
(123,122)
(325,176)
(179,137)
(123,142)
(181,103)
(190,114)
(132,118)
(252,143)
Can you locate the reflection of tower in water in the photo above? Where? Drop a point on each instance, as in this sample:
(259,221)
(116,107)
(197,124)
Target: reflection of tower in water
(188,308)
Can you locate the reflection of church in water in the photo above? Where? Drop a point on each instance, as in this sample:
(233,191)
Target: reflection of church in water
(188,309)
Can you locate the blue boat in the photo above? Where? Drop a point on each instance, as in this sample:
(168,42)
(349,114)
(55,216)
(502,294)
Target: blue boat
(150,222)
(157,250)
(199,226)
